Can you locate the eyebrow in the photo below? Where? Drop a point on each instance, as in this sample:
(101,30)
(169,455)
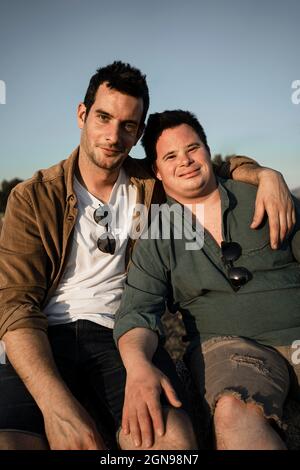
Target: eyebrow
(101,111)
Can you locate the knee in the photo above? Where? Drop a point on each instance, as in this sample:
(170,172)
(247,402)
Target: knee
(179,430)
(227,405)
(230,410)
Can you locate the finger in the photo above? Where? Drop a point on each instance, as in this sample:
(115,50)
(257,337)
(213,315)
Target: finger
(289,218)
(135,431)
(258,214)
(274,229)
(283,226)
(170,393)
(294,218)
(146,427)
(125,421)
(156,414)
(91,440)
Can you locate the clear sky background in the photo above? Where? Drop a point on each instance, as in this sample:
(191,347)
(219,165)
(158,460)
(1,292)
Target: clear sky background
(232,62)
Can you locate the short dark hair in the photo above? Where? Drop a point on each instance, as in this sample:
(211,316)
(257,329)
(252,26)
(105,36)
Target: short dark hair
(158,122)
(121,77)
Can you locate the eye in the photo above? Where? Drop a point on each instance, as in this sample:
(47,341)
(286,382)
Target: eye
(194,147)
(103,117)
(169,157)
(130,127)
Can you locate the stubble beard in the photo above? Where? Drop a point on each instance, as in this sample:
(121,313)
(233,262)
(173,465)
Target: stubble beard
(101,162)
(106,164)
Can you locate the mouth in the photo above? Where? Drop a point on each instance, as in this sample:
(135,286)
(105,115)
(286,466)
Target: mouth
(190,173)
(112,152)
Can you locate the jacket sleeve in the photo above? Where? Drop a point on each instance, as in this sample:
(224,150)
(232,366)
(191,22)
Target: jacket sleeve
(225,169)
(146,291)
(23,264)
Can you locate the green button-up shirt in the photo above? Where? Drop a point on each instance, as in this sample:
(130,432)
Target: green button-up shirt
(266,309)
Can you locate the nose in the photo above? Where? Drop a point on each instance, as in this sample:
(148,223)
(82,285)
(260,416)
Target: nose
(185,158)
(113,134)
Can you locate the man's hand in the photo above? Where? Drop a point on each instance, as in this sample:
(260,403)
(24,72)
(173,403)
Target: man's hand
(142,411)
(274,198)
(69,427)
(67,424)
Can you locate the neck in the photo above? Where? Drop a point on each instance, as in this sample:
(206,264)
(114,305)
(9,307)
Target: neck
(210,198)
(208,201)
(98,181)
(209,213)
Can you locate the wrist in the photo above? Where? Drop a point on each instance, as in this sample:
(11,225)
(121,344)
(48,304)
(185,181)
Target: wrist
(136,363)
(55,394)
(264,172)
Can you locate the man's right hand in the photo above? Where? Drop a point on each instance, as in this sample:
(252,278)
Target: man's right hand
(68,426)
(142,411)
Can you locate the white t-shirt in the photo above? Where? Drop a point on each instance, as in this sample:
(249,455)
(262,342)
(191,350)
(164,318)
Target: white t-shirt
(92,283)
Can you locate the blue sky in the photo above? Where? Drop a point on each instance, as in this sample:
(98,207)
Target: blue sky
(232,62)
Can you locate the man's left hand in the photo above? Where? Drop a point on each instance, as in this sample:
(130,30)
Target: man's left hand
(274,198)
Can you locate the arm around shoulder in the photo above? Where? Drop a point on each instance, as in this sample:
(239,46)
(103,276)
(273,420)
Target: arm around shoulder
(273,195)
(237,167)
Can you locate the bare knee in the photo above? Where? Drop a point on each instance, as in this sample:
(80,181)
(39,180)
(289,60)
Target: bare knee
(179,430)
(243,426)
(16,440)
(231,414)
(230,410)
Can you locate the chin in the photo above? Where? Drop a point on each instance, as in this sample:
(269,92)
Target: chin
(108,163)
(197,184)
(111,165)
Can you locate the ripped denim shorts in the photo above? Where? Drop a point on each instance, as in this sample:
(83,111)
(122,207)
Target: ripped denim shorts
(241,367)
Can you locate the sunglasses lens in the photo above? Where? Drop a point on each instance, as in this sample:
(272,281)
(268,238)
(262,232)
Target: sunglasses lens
(102,215)
(231,251)
(107,245)
(239,276)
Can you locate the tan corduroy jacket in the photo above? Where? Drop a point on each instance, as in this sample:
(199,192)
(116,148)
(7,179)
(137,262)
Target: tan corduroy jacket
(37,233)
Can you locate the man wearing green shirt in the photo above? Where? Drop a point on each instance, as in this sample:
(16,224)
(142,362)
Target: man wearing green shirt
(240,300)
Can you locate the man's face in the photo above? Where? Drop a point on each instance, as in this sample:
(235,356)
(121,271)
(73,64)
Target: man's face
(183,164)
(112,127)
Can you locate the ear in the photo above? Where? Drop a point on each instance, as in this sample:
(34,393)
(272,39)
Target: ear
(81,115)
(156,172)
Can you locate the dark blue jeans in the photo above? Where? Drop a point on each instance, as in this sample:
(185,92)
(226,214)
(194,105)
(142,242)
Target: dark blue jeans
(90,364)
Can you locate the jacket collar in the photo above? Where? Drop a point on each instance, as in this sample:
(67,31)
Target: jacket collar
(135,169)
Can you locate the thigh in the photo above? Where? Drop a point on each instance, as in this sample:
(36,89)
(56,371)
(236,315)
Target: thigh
(63,340)
(244,368)
(18,410)
(104,372)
